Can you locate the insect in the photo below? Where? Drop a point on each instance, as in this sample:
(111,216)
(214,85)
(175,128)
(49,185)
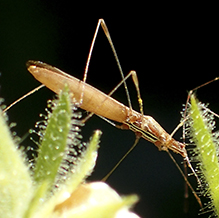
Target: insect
(99,103)
(144,126)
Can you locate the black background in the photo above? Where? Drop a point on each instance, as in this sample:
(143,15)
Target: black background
(173,48)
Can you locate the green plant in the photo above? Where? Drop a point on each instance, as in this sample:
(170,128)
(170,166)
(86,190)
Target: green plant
(201,125)
(56,186)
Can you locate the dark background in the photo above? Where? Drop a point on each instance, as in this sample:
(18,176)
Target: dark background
(173,48)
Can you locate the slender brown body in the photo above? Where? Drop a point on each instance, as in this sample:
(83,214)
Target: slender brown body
(101,104)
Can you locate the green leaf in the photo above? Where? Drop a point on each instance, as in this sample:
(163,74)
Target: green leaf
(54,142)
(15,182)
(206,151)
